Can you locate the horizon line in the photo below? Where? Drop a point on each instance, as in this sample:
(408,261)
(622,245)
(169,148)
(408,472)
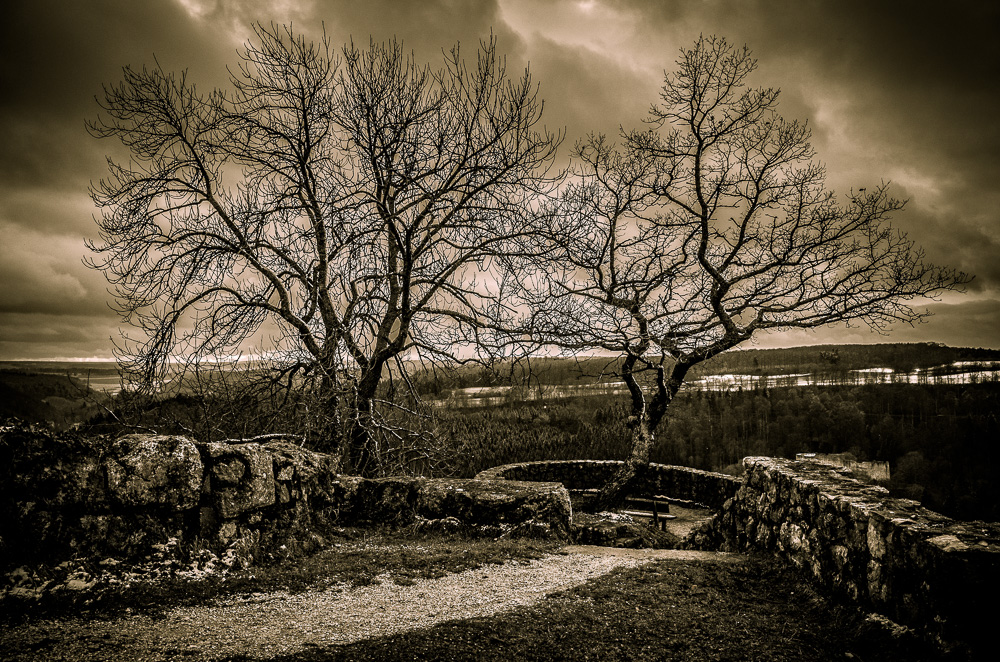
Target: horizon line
(232,358)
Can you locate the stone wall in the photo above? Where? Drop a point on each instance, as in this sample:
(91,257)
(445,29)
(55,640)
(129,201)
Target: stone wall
(67,496)
(705,488)
(919,568)
(913,565)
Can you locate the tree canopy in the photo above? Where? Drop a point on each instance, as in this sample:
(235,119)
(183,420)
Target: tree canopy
(350,207)
(354,211)
(709,226)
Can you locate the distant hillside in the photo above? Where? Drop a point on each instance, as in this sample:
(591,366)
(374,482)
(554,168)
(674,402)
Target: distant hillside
(900,357)
(60,400)
(815,359)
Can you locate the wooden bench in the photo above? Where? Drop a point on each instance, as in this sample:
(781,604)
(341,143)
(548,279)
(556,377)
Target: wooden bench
(656,508)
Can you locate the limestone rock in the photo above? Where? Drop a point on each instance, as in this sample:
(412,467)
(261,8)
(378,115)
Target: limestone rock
(243,477)
(155,470)
(304,473)
(386,501)
(57,471)
(702,488)
(443,526)
(229,471)
(535,507)
(907,563)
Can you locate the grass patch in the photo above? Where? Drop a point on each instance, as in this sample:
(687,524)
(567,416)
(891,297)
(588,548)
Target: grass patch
(354,557)
(754,610)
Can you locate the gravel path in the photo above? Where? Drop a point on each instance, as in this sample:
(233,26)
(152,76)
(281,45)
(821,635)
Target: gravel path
(261,626)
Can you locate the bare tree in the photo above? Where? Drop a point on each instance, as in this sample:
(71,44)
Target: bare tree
(347,211)
(706,228)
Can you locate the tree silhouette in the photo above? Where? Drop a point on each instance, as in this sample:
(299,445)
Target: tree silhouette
(706,228)
(347,211)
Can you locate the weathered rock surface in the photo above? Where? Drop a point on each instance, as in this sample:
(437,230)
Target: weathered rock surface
(69,496)
(154,470)
(683,483)
(242,477)
(913,565)
(495,508)
(65,496)
(518,508)
(300,473)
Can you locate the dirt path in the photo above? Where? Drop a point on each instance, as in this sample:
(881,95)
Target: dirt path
(261,626)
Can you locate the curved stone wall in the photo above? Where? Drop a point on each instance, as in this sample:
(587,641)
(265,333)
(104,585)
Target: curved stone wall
(918,567)
(705,488)
(63,496)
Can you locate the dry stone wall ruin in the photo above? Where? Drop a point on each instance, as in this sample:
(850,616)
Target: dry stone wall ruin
(891,556)
(582,477)
(68,496)
(918,567)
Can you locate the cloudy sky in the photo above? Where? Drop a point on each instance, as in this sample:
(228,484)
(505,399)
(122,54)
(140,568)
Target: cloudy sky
(900,91)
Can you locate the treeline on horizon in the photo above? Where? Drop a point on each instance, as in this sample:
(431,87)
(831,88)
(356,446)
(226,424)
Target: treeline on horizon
(558,370)
(813,359)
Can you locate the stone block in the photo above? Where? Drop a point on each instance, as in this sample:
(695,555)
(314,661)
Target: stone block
(154,470)
(229,471)
(385,501)
(312,474)
(791,538)
(534,507)
(840,555)
(875,539)
(282,493)
(228,530)
(244,477)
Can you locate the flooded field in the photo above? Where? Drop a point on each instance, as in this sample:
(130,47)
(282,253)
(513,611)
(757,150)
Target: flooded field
(959,372)
(104,376)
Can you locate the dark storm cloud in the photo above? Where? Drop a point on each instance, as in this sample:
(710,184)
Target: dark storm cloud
(901,91)
(56,57)
(585,91)
(894,91)
(40,337)
(425,27)
(904,92)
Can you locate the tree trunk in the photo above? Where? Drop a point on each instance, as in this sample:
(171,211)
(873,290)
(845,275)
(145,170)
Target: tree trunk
(645,420)
(361,461)
(613,493)
(331,429)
